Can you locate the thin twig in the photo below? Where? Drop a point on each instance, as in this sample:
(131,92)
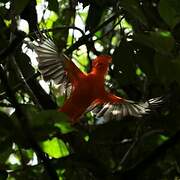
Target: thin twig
(136,140)
(128,151)
(23,81)
(84,39)
(108,32)
(60,28)
(18,85)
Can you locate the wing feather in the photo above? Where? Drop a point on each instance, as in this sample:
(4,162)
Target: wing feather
(50,62)
(117,110)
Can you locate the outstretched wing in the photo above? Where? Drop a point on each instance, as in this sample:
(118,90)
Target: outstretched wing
(50,62)
(54,65)
(112,110)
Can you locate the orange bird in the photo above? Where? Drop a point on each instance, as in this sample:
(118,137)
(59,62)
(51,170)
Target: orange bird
(88,89)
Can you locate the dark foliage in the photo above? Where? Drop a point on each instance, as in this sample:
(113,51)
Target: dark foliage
(37,142)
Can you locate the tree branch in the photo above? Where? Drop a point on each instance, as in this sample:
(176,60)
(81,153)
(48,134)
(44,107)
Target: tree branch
(84,39)
(25,128)
(159,152)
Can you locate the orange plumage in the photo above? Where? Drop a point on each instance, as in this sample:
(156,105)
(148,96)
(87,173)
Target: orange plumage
(88,89)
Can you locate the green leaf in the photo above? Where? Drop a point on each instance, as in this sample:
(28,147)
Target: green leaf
(55,148)
(169,11)
(43,123)
(162,138)
(133,7)
(40,127)
(53,117)
(161,41)
(60,100)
